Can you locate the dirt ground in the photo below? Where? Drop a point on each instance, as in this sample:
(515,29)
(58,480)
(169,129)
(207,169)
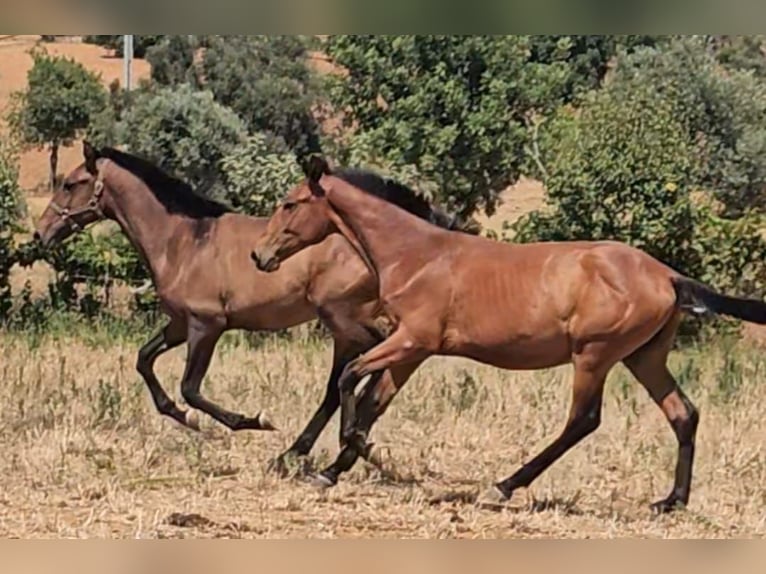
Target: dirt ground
(86,455)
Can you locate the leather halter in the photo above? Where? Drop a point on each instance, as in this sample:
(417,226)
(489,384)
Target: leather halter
(67,215)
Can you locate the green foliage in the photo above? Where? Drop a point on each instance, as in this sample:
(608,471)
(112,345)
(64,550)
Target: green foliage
(264,79)
(172,60)
(184,131)
(617,171)
(141,44)
(10,203)
(585,58)
(454,107)
(722,112)
(258,174)
(58,104)
(741,52)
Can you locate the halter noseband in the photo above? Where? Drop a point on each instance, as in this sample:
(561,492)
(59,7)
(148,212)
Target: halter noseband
(92,206)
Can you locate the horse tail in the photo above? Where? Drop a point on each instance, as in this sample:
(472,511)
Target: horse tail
(698,298)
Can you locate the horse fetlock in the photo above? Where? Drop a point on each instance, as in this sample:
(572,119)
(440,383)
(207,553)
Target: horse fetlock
(493,498)
(323,480)
(191,420)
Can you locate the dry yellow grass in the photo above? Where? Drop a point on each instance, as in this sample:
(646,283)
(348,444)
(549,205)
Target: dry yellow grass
(85,454)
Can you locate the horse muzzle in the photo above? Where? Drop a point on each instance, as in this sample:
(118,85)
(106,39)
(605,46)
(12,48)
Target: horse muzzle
(264,261)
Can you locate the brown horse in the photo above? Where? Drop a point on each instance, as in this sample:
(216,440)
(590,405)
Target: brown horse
(198,255)
(532,306)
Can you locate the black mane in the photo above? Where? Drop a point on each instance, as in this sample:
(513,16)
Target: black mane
(400,195)
(176,195)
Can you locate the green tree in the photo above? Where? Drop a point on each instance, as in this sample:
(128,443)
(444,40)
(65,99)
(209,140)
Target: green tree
(741,52)
(172,60)
(58,104)
(264,79)
(722,111)
(184,131)
(456,108)
(586,58)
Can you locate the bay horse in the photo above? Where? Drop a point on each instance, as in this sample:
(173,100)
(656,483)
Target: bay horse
(525,307)
(198,255)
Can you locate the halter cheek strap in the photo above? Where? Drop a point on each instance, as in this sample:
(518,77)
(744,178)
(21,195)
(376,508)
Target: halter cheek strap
(68,215)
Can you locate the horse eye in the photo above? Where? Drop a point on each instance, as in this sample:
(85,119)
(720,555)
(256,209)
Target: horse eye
(289,205)
(68,186)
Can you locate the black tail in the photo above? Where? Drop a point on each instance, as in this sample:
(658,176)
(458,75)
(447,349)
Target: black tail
(695,297)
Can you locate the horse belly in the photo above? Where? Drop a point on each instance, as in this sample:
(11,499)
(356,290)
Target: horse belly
(520,353)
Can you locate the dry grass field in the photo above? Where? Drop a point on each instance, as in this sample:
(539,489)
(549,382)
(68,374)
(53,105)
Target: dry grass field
(85,454)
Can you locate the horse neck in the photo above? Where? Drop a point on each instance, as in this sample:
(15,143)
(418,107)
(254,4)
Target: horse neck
(143,219)
(385,232)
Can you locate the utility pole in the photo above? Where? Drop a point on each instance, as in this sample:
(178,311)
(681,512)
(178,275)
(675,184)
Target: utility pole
(127,59)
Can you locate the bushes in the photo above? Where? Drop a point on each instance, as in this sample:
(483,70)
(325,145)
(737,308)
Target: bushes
(184,131)
(263,79)
(258,174)
(10,201)
(723,112)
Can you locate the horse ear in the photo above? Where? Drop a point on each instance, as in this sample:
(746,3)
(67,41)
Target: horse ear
(315,167)
(91,155)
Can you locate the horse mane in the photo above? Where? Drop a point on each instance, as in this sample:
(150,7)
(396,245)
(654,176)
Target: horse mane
(176,195)
(402,196)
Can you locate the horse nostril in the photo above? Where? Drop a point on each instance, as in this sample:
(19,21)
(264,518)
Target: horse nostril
(37,236)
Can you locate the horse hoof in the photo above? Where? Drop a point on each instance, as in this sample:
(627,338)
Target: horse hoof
(321,481)
(670,504)
(492,499)
(191,420)
(264,423)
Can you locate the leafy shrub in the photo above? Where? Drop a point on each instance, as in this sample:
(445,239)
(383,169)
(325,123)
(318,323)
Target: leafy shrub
(723,112)
(258,174)
(264,79)
(10,203)
(184,131)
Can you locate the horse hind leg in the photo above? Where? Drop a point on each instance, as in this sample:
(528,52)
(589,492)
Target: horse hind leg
(649,366)
(584,419)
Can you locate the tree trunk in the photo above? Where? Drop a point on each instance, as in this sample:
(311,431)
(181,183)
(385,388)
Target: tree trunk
(54,164)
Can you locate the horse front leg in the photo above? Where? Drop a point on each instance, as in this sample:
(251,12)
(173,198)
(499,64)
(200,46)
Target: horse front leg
(398,354)
(170,337)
